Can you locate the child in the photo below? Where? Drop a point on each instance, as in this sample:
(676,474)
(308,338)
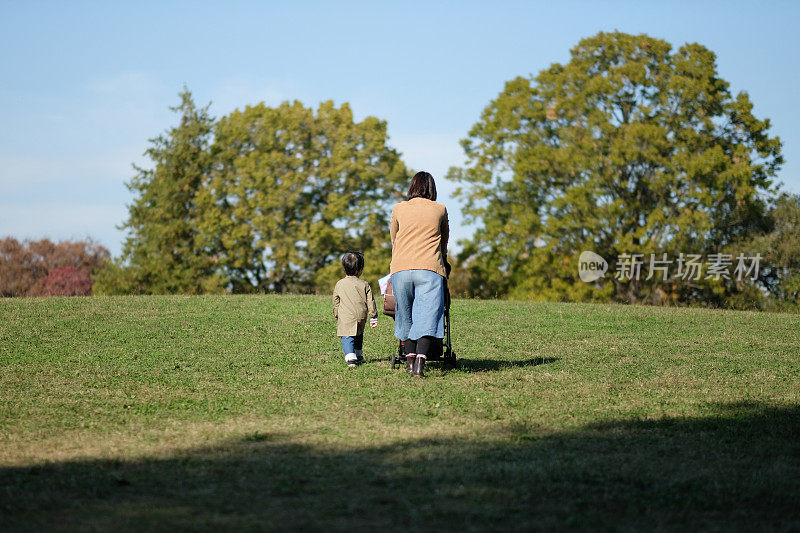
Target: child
(352,300)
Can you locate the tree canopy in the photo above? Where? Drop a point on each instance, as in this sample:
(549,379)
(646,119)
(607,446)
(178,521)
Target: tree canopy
(292,189)
(264,199)
(630,147)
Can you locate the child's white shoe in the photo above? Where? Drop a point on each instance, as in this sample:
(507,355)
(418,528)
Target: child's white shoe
(351,359)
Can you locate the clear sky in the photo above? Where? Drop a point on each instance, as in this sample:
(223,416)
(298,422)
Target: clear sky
(84,85)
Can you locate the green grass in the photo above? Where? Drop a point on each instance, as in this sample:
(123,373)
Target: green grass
(239,413)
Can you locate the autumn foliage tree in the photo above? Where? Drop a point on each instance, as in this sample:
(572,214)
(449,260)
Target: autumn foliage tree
(64,281)
(33,268)
(630,147)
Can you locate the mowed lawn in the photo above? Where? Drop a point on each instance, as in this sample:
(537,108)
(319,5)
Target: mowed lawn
(238,412)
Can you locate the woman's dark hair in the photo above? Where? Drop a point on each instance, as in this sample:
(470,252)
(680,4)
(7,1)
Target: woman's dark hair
(353,262)
(422,186)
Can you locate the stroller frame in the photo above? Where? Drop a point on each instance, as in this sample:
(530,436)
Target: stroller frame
(447,355)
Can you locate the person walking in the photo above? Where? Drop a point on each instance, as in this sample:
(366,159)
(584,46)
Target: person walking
(419,231)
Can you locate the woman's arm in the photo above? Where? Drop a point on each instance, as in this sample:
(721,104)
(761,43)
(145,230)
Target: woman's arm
(445,230)
(394,226)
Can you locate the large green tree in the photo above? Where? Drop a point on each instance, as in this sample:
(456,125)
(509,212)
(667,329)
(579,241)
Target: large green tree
(630,147)
(163,252)
(292,189)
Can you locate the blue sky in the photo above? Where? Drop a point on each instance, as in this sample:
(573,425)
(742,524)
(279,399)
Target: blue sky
(84,85)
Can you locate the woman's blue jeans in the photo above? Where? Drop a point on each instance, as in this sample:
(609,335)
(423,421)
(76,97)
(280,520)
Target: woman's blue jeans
(419,304)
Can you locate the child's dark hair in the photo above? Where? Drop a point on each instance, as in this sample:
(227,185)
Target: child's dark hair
(353,262)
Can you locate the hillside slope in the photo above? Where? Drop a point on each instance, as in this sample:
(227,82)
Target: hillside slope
(207,412)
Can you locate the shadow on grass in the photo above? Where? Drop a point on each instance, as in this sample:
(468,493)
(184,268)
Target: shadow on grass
(487,365)
(736,468)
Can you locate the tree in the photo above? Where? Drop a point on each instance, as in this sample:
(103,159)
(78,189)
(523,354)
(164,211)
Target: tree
(292,189)
(628,148)
(65,281)
(782,248)
(162,253)
(24,264)
(779,247)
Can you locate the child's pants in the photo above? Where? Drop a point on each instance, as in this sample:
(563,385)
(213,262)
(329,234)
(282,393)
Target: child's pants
(351,344)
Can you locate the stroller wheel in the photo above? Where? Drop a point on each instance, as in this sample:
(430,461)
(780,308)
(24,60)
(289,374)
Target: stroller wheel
(398,357)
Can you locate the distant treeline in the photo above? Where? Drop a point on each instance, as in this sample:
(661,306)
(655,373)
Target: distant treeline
(45,268)
(632,149)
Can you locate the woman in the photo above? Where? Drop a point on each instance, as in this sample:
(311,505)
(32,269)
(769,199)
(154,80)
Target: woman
(419,267)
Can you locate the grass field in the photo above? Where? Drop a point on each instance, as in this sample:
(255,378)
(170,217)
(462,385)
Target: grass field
(239,413)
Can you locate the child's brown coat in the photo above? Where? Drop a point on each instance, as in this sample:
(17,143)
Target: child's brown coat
(352,300)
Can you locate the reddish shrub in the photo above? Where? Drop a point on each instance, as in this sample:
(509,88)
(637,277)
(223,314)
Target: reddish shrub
(66,281)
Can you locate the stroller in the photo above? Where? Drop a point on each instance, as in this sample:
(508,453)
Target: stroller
(442,350)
